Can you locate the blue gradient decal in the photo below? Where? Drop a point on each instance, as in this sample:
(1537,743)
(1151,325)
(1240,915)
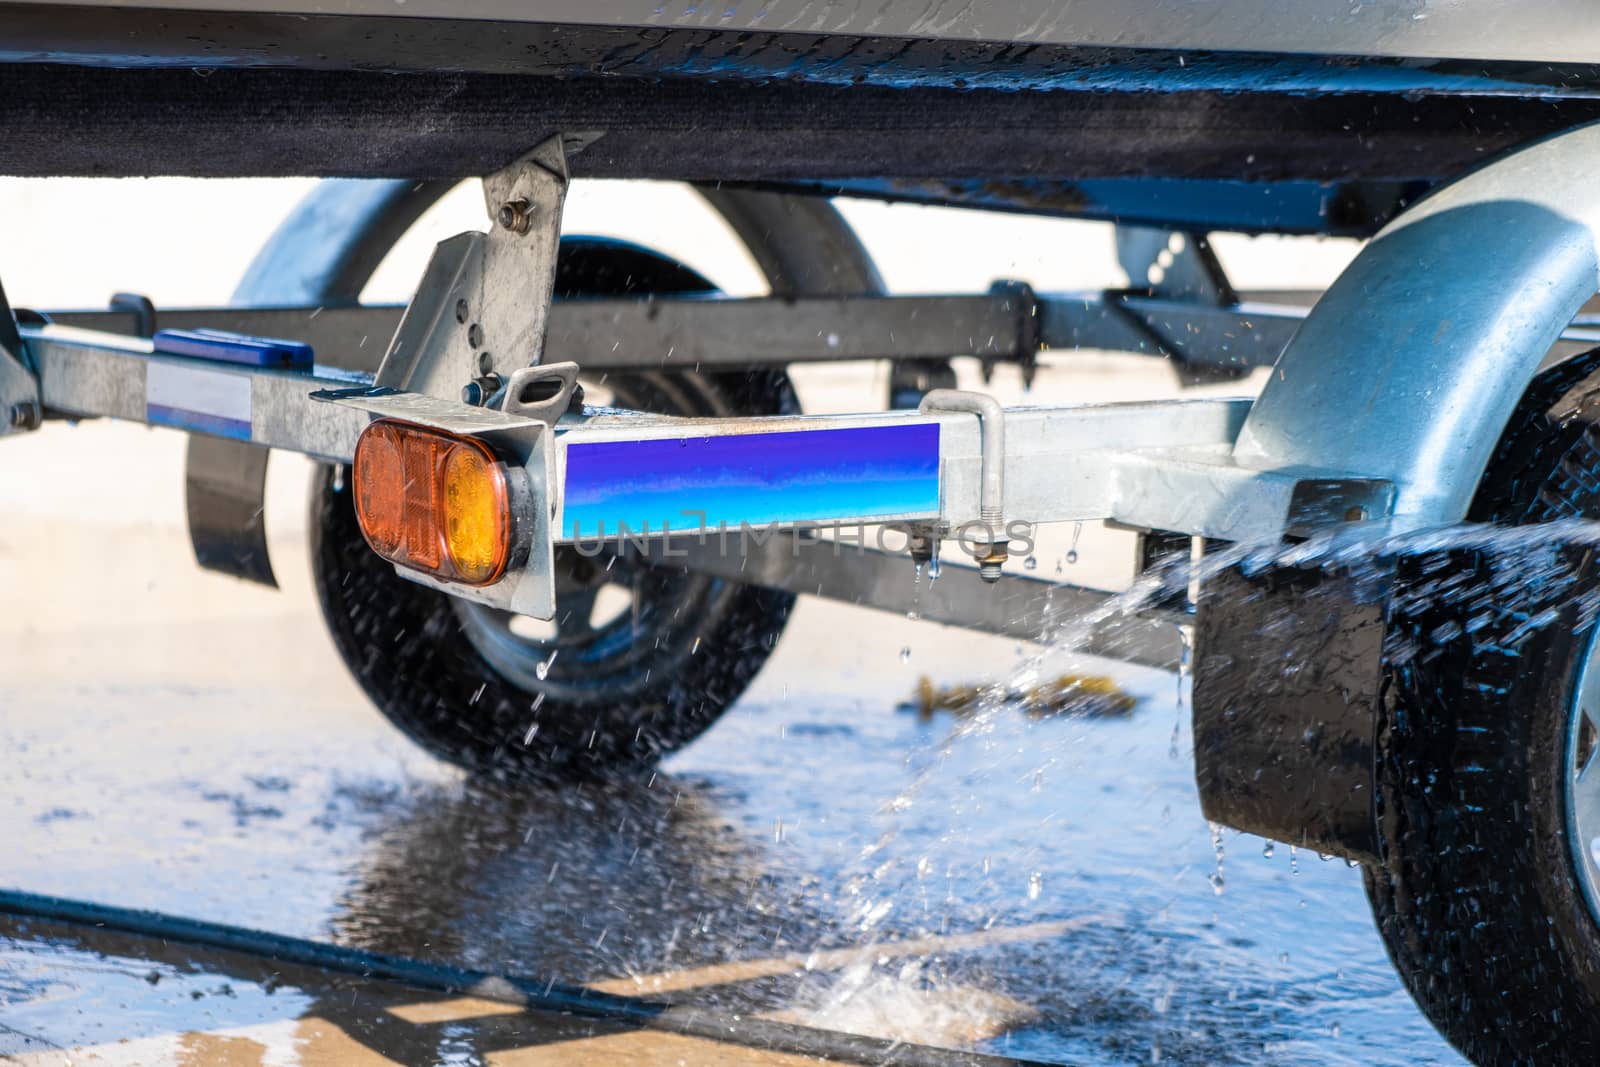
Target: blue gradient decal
(799,476)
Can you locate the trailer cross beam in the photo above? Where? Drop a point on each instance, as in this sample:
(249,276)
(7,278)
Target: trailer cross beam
(600,473)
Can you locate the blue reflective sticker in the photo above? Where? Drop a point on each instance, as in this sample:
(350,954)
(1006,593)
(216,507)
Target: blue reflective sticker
(234,348)
(859,472)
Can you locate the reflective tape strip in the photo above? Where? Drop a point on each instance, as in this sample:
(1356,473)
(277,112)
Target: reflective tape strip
(205,401)
(872,473)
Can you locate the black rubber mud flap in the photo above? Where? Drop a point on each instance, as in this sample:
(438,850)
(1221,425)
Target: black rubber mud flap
(225,485)
(1288,666)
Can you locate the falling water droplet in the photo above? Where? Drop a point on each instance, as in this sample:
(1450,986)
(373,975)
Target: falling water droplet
(933,569)
(987,865)
(1072,555)
(1035,885)
(1185,647)
(905,655)
(1031,563)
(543,668)
(924,867)
(1215,878)
(777,831)
(1266,850)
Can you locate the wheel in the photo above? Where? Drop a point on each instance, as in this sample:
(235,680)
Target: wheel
(638,661)
(1487,781)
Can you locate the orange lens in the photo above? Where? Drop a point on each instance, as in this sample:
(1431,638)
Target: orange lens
(474,514)
(419,491)
(433,502)
(380,510)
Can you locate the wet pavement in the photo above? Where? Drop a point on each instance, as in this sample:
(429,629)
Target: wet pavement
(1036,887)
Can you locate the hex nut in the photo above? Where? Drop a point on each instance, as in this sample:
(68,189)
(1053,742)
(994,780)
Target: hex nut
(516,216)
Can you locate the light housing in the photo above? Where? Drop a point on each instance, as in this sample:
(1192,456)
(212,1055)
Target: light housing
(433,502)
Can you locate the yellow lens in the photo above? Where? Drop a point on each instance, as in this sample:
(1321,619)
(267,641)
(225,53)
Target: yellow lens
(475,514)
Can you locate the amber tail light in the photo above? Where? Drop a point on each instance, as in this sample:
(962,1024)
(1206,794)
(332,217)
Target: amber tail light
(433,502)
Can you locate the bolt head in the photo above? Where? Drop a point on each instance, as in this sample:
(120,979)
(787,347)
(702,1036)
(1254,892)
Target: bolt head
(25,416)
(472,393)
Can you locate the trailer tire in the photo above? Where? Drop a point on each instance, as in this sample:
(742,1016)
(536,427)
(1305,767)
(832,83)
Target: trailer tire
(1481,898)
(460,680)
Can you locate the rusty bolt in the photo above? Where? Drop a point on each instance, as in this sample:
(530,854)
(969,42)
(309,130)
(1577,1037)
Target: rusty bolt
(516,216)
(989,567)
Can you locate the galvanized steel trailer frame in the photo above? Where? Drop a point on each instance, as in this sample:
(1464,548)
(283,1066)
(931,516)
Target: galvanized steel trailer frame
(1380,410)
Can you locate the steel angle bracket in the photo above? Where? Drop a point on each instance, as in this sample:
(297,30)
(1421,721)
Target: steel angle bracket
(528,587)
(480,311)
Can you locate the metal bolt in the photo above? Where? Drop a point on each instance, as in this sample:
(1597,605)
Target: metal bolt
(25,416)
(999,547)
(516,216)
(920,543)
(989,567)
(481,390)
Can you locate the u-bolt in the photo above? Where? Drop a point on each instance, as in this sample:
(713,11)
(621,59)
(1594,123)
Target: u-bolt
(992,501)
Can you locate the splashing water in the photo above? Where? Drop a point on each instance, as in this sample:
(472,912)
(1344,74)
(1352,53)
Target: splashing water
(990,757)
